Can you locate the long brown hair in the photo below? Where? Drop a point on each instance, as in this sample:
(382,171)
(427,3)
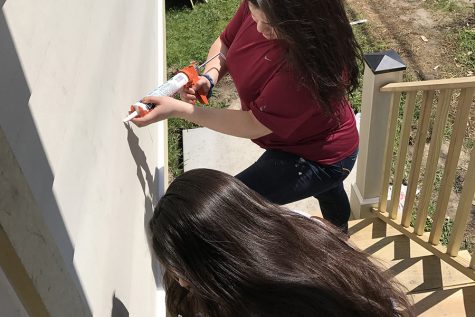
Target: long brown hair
(244,256)
(320,45)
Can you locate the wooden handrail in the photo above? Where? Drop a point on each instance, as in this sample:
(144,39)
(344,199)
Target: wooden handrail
(463,210)
(452,83)
(432,159)
(453,154)
(402,152)
(418,154)
(388,209)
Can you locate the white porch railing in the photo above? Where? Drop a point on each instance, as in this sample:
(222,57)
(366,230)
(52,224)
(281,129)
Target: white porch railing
(438,94)
(380,161)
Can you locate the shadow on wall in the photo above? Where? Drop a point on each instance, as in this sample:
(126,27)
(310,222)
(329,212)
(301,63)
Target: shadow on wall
(118,308)
(23,141)
(140,159)
(149,208)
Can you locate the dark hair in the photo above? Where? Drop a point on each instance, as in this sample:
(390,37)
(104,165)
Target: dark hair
(321,46)
(244,256)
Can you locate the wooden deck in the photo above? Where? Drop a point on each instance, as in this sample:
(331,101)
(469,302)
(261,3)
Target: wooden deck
(435,288)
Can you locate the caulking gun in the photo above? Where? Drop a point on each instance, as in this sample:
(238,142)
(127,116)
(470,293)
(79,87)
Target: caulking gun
(187,76)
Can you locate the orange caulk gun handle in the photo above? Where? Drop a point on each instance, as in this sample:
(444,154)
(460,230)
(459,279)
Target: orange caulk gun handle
(192,74)
(201,96)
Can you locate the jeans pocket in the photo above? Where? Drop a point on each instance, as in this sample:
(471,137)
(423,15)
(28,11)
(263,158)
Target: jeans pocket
(345,171)
(348,163)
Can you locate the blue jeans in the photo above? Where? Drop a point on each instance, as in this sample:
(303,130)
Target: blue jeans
(284,178)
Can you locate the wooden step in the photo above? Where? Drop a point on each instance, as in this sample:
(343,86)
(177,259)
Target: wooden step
(455,302)
(433,285)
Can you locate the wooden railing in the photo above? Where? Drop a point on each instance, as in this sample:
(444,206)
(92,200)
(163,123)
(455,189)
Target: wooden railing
(439,96)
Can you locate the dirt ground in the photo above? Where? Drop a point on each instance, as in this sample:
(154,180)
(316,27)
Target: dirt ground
(422,36)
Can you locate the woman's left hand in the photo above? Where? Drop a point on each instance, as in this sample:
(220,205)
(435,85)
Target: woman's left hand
(188,94)
(165,107)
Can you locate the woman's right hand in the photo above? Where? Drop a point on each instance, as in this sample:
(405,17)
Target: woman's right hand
(188,94)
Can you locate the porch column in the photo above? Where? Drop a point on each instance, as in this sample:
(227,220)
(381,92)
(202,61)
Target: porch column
(380,69)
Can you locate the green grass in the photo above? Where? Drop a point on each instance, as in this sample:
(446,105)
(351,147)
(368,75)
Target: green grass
(459,34)
(190,32)
(444,5)
(465,32)
(466,54)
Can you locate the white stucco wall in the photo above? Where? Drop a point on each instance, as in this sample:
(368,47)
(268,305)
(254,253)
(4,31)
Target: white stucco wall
(68,72)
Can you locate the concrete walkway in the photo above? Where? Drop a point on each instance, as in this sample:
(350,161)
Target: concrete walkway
(204,148)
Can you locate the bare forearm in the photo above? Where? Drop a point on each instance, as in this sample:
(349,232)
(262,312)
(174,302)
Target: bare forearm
(232,122)
(217,67)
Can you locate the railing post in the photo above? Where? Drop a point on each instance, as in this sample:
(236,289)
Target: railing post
(380,69)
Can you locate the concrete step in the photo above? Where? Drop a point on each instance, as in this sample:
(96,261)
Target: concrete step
(205,148)
(436,288)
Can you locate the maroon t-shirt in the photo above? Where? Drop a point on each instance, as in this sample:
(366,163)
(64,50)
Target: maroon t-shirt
(273,94)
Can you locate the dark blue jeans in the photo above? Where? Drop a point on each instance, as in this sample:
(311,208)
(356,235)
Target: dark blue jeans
(284,178)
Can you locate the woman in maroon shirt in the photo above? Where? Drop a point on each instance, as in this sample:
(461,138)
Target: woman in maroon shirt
(293,64)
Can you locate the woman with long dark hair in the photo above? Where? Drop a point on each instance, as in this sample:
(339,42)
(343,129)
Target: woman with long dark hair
(293,63)
(228,252)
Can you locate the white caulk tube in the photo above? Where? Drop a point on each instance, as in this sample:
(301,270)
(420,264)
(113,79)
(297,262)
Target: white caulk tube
(168,88)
